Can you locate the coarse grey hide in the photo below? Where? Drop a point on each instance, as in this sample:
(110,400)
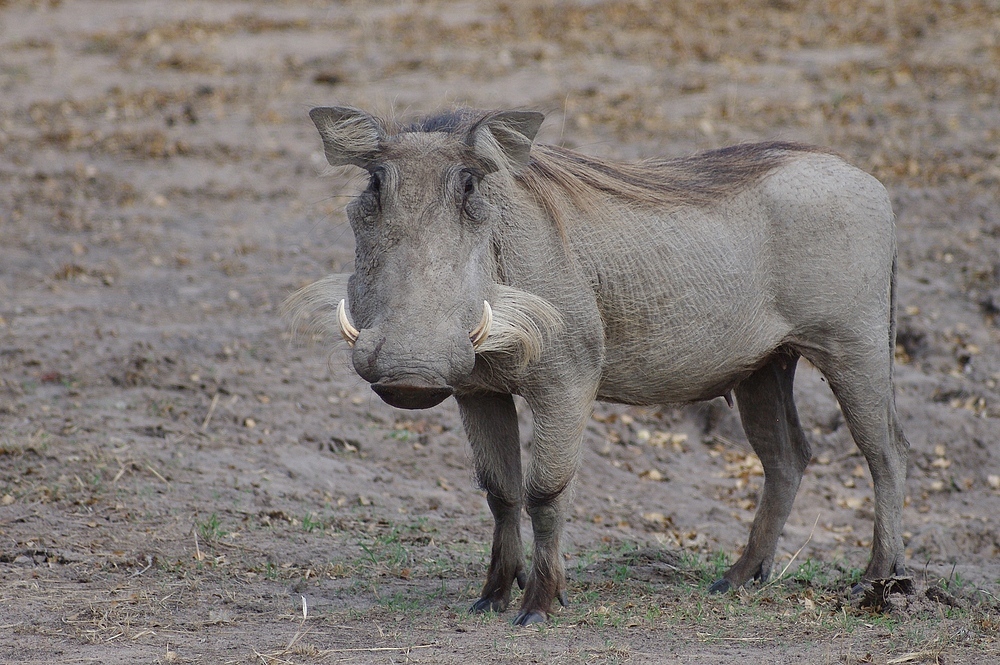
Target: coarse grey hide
(487,267)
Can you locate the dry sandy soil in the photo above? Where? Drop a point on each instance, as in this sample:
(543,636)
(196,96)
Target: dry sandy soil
(178,474)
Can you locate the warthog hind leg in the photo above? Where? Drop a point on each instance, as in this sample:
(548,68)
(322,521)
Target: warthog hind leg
(869,407)
(772,425)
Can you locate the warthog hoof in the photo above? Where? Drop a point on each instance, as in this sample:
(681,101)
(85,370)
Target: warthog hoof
(484,605)
(720,586)
(874,594)
(528,617)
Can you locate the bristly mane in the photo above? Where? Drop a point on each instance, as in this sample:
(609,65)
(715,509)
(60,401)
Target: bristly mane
(555,174)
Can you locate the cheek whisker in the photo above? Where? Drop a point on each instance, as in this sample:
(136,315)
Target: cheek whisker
(522,323)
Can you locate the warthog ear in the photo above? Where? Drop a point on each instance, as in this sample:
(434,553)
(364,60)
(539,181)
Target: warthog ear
(349,136)
(505,137)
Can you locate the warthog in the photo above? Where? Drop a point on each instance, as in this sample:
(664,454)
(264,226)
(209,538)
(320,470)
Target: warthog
(487,266)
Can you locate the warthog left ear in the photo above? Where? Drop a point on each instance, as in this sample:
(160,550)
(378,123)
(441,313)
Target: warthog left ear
(504,138)
(349,136)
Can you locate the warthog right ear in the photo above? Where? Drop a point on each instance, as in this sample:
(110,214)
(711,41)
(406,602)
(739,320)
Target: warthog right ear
(505,137)
(349,136)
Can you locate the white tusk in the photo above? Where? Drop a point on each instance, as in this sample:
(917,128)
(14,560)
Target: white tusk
(347,331)
(482,331)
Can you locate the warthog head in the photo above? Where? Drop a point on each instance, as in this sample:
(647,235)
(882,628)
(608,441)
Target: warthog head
(424,296)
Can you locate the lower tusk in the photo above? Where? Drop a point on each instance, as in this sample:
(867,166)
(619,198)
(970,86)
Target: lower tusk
(482,331)
(347,331)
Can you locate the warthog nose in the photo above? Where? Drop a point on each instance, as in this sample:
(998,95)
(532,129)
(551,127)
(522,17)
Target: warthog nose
(411,393)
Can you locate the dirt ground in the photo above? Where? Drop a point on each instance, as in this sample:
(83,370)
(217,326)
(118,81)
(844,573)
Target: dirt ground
(178,475)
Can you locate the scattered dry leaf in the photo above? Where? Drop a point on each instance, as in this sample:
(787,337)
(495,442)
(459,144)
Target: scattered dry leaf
(851,502)
(664,439)
(657,520)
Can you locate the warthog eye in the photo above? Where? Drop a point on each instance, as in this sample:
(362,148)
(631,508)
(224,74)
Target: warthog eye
(470,209)
(371,200)
(469,181)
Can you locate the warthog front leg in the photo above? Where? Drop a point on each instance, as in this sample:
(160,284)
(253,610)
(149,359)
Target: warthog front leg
(772,426)
(491,425)
(547,579)
(555,457)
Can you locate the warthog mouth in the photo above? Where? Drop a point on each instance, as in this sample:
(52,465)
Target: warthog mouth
(411,393)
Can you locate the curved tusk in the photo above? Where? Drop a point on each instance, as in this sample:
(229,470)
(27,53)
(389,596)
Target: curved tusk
(482,331)
(347,331)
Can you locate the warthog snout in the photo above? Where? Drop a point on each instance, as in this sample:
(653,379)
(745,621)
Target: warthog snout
(477,336)
(409,370)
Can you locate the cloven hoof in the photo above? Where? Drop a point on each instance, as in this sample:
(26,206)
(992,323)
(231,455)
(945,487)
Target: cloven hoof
(526,618)
(720,586)
(875,594)
(484,605)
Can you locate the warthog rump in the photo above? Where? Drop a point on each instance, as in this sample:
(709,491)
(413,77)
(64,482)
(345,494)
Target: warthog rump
(487,266)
